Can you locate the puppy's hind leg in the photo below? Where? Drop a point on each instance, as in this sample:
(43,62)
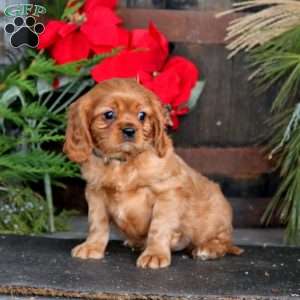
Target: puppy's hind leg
(215,248)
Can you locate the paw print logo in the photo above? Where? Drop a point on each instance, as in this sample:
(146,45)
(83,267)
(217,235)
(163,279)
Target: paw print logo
(24,32)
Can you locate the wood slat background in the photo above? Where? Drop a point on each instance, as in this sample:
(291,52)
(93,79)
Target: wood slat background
(220,136)
(195,27)
(230,112)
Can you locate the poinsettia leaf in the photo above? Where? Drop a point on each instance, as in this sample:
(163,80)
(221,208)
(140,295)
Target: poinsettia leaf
(196,93)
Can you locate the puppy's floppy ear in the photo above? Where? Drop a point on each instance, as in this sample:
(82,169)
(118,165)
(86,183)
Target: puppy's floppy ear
(160,138)
(78,142)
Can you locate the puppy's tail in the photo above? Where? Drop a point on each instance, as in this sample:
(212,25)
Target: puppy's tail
(234,250)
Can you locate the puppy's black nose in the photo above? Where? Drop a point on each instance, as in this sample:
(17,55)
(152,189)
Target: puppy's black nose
(128,132)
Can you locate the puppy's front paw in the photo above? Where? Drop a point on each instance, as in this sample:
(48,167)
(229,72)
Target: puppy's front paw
(88,250)
(153,260)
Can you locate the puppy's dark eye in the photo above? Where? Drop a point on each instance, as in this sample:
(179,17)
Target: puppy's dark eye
(109,115)
(142,116)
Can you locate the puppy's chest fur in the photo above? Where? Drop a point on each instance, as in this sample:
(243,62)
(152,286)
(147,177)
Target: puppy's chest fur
(128,190)
(131,211)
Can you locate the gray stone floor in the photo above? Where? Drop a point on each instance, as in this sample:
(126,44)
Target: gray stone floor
(44,266)
(242,236)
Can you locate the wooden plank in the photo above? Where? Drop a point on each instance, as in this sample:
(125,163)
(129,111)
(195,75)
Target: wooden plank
(250,110)
(122,3)
(247,212)
(198,27)
(199,4)
(229,113)
(202,126)
(181,4)
(147,3)
(238,163)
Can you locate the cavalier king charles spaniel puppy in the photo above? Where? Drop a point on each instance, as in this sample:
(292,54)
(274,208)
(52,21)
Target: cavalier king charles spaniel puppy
(116,132)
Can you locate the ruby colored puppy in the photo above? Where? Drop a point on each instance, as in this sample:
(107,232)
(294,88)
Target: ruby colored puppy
(116,132)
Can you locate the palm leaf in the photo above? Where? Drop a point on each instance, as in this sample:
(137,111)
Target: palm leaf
(250,31)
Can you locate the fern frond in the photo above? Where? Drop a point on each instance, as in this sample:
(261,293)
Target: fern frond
(24,84)
(8,114)
(7,143)
(33,165)
(46,138)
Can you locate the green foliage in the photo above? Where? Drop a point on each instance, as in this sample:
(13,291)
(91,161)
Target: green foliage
(32,125)
(38,66)
(271,35)
(27,127)
(277,63)
(32,122)
(24,211)
(32,166)
(72,8)
(284,142)
(35,67)
(55,8)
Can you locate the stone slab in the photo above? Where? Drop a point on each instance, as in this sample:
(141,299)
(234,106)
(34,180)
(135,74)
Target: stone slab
(32,266)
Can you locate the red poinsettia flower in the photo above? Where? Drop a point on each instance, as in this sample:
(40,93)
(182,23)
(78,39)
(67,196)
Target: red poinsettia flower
(175,113)
(148,52)
(173,85)
(96,26)
(55,83)
(154,41)
(122,40)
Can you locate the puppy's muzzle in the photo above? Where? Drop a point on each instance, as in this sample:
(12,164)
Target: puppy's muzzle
(129,133)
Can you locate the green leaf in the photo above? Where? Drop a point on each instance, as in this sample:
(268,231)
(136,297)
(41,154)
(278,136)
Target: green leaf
(55,8)
(196,93)
(33,165)
(72,8)
(15,79)
(10,95)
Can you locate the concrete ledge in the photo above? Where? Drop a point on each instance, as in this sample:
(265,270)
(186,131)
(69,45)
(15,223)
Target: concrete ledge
(242,236)
(43,267)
